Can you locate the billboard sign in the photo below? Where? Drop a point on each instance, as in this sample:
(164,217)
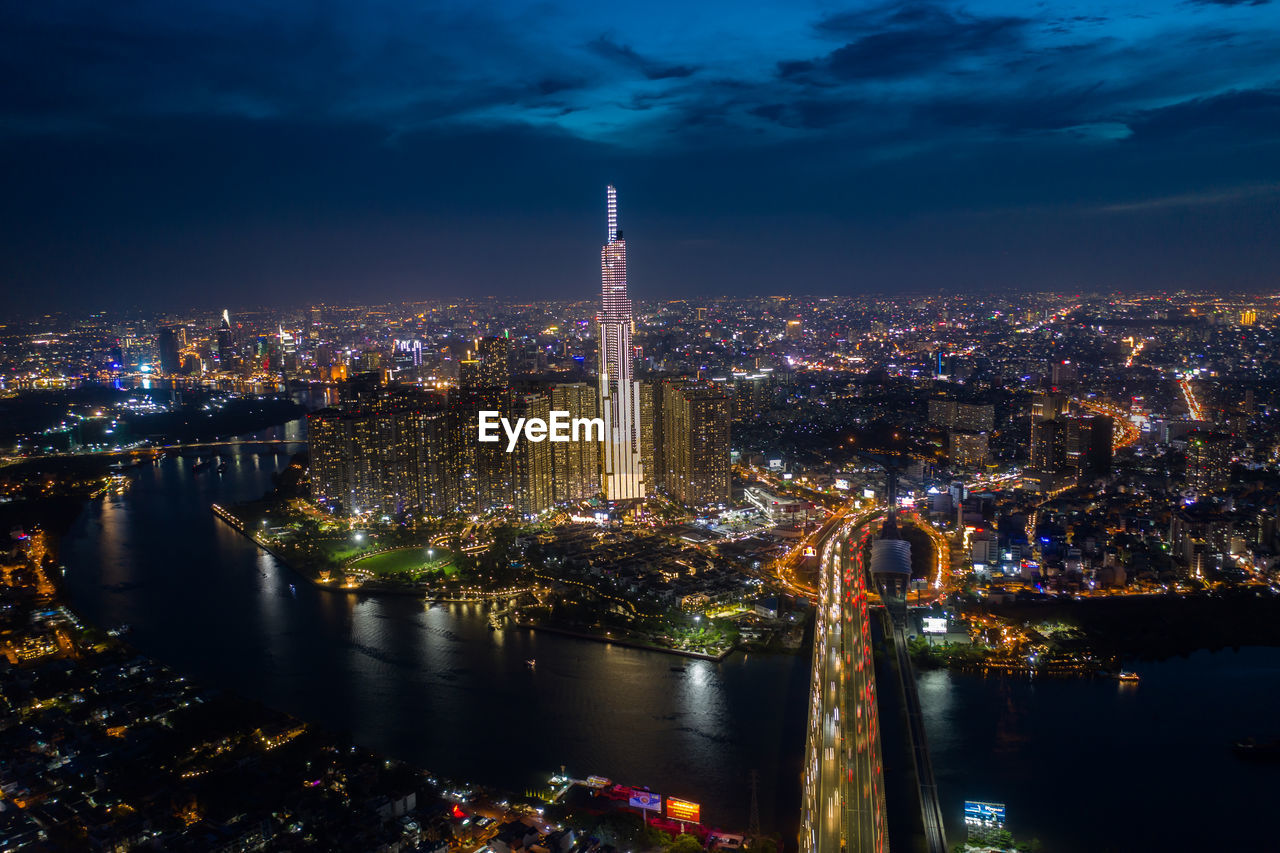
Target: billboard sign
(934,625)
(598,782)
(983,814)
(646,800)
(683,811)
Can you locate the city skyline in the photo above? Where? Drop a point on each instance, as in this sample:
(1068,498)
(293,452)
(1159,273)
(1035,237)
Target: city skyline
(288,154)
(913,452)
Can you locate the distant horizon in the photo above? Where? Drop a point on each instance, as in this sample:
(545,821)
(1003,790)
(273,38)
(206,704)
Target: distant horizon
(28,315)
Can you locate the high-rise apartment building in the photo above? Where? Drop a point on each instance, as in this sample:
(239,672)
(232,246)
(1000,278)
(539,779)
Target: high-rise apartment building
(651,432)
(393,455)
(623,470)
(495,360)
(1208,461)
(695,442)
(531,462)
(954,414)
(968,449)
(575,464)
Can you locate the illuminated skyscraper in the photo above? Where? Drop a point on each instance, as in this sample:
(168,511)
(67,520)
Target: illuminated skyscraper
(623,471)
(226,342)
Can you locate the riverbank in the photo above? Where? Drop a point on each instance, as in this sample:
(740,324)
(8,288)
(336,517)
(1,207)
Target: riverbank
(423,592)
(617,641)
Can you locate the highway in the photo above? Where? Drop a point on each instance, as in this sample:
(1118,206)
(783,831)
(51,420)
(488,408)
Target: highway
(844,803)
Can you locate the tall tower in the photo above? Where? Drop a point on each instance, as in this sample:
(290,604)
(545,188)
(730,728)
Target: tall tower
(623,474)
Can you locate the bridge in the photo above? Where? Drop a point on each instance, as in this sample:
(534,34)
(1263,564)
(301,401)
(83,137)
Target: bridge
(845,807)
(138,449)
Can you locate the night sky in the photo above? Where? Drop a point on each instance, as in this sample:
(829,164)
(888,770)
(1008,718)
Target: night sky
(198,153)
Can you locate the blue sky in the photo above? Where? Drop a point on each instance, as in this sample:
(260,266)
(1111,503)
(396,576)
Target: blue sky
(298,150)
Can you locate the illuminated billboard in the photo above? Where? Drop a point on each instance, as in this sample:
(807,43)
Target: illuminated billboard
(683,810)
(983,814)
(646,800)
(934,625)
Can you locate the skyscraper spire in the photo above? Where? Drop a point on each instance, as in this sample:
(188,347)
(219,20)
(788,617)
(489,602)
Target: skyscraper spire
(612,195)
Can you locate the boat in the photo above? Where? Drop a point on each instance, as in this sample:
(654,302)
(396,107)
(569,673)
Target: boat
(1127,676)
(293,589)
(531,663)
(201,466)
(1254,750)
(222,467)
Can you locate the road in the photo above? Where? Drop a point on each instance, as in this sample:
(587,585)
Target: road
(844,805)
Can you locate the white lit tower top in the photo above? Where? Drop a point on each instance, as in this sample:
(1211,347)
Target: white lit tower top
(614,303)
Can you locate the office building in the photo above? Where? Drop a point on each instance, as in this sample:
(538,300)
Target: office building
(1047,406)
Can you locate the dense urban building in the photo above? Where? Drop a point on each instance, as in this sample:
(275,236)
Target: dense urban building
(1209,457)
(393,454)
(695,446)
(576,464)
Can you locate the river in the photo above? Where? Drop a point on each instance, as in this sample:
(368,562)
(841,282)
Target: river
(430,685)
(1082,765)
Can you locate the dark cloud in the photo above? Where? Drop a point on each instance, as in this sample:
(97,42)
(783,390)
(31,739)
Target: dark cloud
(906,40)
(624,55)
(1227,2)
(1244,116)
(303,150)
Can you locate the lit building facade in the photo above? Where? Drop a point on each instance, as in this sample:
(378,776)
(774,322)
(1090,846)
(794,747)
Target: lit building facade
(576,464)
(396,456)
(621,457)
(695,446)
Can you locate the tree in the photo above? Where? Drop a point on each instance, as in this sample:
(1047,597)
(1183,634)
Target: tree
(685,843)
